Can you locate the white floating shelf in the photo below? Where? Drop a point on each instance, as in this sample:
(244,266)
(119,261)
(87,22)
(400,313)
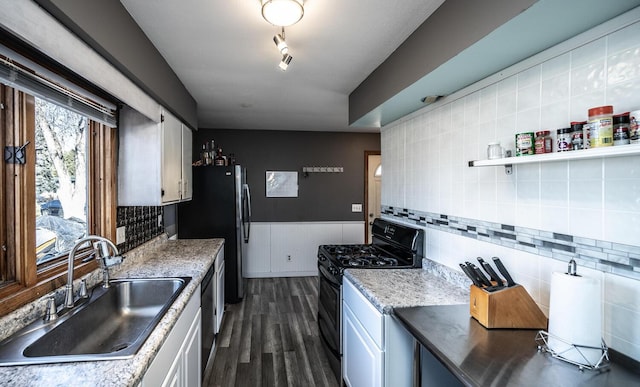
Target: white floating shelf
(612,151)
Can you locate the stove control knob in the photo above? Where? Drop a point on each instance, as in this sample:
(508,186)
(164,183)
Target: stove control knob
(333,270)
(322,257)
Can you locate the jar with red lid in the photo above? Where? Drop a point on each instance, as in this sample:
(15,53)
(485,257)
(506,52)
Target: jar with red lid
(543,142)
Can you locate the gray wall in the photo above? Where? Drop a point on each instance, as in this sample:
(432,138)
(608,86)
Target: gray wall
(321,196)
(452,28)
(108,28)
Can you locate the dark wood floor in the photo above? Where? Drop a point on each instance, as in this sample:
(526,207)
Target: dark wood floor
(271,338)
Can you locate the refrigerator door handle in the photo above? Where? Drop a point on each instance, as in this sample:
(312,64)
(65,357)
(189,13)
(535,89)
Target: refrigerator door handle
(247,205)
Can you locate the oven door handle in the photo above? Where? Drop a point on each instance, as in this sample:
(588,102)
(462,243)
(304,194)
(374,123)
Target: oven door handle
(325,274)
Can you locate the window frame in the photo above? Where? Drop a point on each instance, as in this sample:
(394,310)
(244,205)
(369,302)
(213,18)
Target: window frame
(17,199)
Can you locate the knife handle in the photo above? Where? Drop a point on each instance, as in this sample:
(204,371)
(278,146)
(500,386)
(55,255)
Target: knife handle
(492,273)
(473,278)
(503,271)
(480,275)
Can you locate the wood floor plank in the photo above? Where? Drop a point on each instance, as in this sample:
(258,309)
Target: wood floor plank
(256,348)
(279,370)
(268,377)
(271,338)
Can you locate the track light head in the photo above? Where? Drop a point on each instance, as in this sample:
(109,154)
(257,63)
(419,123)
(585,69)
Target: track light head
(284,63)
(278,39)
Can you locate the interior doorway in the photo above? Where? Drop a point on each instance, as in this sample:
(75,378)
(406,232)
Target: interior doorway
(372,189)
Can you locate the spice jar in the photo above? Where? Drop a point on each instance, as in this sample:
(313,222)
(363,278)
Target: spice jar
(543,142)
(577,135)
(601,120)
(621,129)
(563,140)
(634,127)
(525,144)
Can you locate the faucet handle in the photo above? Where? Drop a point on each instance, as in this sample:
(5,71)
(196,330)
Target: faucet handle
(51,312)
(110,260)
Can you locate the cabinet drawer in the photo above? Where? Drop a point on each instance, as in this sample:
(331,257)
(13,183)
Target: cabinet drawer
(365,312)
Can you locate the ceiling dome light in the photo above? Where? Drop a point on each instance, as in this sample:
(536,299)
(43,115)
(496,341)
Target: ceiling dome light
(282,12)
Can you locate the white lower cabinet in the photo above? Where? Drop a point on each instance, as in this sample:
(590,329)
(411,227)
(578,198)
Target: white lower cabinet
(362,360)
(177,363)
(376,349)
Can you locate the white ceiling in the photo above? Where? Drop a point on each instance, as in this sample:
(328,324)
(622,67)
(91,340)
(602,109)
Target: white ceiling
(224,54)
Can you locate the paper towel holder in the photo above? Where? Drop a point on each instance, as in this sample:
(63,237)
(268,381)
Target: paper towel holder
(602,365)
(542,339)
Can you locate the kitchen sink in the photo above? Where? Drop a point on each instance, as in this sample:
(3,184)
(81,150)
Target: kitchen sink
(112,324)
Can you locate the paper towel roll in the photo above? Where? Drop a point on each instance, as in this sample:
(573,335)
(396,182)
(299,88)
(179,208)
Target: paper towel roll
(575,316)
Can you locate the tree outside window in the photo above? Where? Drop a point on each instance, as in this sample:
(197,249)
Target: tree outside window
(61,179)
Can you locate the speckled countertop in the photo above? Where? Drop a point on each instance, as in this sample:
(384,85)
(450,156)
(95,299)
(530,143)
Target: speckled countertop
(396,288)
(167,258)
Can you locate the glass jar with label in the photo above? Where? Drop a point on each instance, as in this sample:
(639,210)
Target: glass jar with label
(577,135)
(601,120)
(634,127)
(621,129)
(563,139)
(525,144)
(543,142)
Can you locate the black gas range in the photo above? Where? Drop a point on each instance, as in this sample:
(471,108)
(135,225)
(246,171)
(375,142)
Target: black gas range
(394,246)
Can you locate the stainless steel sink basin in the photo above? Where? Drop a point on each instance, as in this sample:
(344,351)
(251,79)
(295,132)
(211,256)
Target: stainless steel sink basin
(112,324)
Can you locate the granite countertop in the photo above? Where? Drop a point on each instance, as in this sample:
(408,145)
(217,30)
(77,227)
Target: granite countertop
(169,258)
(395,288)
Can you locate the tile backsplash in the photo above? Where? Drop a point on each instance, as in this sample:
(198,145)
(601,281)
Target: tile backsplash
(544,213)
(605,256)
(142,223)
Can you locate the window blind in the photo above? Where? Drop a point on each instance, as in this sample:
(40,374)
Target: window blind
(15,75)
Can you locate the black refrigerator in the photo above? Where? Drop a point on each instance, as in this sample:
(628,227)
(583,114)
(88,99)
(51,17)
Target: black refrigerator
(220,208)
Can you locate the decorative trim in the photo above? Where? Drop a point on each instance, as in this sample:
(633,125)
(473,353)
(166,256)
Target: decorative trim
(141,224)
(609,257)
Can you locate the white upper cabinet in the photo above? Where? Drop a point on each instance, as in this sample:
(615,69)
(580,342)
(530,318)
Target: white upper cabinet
(187,152)
(154,166)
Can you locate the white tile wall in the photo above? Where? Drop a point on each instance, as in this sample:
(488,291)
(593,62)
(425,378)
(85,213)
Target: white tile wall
(425,168)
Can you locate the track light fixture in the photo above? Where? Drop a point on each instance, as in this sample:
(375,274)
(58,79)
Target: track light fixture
(282,13)
(278,39)
(284,63)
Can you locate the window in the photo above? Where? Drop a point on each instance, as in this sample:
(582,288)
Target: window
(60,179)
(60,186)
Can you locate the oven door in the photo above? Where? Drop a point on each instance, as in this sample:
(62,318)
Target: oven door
(329,316)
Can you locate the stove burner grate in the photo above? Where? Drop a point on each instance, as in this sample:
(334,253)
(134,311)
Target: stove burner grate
(357,262)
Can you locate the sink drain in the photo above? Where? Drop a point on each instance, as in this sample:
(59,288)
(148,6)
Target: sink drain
(119,347)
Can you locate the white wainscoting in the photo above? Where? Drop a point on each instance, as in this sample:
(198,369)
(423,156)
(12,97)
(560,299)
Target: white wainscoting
(288,249)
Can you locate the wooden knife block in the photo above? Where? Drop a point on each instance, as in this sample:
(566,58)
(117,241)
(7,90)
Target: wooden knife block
(510,307)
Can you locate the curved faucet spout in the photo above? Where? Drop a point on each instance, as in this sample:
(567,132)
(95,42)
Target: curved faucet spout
(103,253)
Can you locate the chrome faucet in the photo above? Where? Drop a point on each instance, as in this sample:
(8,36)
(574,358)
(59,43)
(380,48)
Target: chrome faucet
(102,254)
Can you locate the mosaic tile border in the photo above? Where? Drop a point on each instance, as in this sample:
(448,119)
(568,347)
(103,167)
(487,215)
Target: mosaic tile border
(610,257)
(141,225)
